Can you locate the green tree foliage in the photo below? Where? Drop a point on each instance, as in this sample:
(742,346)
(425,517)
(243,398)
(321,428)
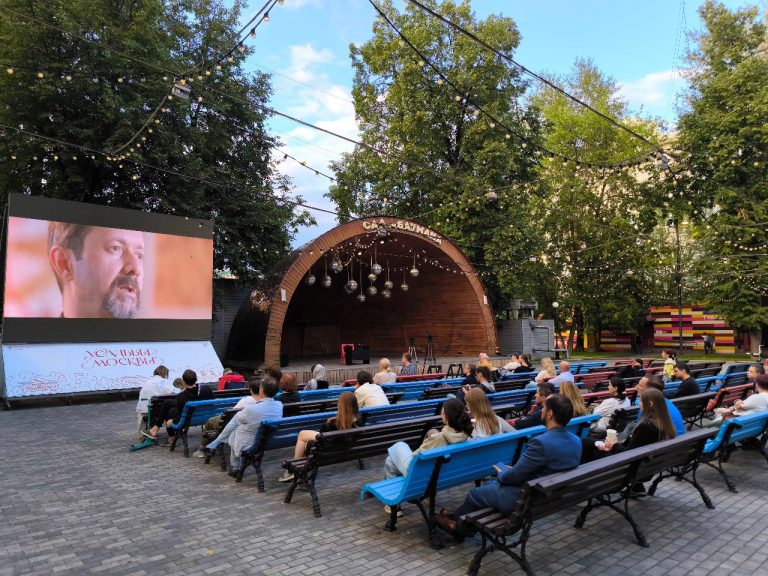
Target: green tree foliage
(723,184)
(430,153)
(76,91)
(596,256)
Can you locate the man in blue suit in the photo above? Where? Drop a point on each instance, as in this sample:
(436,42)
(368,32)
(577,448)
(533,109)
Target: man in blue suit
(556,450)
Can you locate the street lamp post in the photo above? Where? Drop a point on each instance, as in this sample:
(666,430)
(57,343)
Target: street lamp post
(679,282)
(555,306)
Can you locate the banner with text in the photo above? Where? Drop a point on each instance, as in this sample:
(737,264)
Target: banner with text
(42,369)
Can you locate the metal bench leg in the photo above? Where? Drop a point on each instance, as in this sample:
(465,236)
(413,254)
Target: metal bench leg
(361,464)
(186,445)
(259,474)
(315,499)
(635,528)
(719,468)
(582,517)
(174,439)
(474,566)
(700,488)
(291,488)
(223,452)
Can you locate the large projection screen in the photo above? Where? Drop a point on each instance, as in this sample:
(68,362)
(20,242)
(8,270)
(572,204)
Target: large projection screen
(84,273)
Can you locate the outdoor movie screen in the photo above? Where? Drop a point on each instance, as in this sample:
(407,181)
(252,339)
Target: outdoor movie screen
(80,272)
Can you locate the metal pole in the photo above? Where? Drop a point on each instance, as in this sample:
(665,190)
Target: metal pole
(679,280)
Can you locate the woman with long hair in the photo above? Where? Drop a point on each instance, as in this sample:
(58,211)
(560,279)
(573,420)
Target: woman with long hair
(572,392)
(525,364)
(484,419)
(347,416)
(617,400)
(547,370)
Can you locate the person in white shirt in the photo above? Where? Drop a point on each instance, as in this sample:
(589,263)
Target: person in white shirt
(754,403)
(367,393)
(158,385)
(617,401)
(513,364)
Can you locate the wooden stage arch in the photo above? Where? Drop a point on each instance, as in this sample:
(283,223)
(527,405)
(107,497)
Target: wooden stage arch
(447,300)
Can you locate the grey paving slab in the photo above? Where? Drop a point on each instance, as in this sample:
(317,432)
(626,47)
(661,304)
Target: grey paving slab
(76,501)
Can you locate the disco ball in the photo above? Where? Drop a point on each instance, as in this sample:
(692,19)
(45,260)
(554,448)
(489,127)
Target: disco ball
(361,298)
(352,285)
(311,279)
(404,287)
(347,289)
(414,272)
(327,281)
(376,269)
(372,277)
(372,290)
(389,284)
(336,266)
(386,293)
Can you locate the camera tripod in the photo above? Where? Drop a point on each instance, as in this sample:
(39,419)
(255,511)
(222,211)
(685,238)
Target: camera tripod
(412,350)
(430,357)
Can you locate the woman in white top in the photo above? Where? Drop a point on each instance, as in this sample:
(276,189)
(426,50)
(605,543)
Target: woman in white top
(754,403)
(484,419)
(607,407)
(548,370)
(385,374)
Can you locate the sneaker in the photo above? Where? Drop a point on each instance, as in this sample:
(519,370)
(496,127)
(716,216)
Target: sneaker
(388,510)
(286,477)
(199,453)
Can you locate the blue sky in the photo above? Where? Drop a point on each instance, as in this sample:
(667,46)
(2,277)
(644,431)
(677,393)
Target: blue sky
(639,43)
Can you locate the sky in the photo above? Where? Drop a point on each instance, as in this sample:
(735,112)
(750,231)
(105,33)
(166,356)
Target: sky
(641,44)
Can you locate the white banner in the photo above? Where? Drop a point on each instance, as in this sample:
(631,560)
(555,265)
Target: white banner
(41,369)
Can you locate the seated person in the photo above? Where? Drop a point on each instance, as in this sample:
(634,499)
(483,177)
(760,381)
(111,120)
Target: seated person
(525,364)
(367,393)
(470,375)
(754,403)
(241,431)
(534,418)
(656,382)
(513,364)
(347,416)
(606,408)
(572,392)
(654,426)
(318,381)
(565,373)
(688,386)
(385,374)
(231,380)
(157,385)
(484,360)
(272,372)
(289,389)
(172,415)
(634,370)
(214,422)
(547,372)
(409,368)
(485,422)
(484,383)
(556,450)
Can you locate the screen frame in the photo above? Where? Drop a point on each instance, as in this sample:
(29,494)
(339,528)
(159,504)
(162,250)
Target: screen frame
(76,330)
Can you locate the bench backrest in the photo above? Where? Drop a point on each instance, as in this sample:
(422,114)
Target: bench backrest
(693,406)
(197,412)
(522,376)
(623,416)
(734,379)
(327,405)
(414,390)
(358,443)
(727,397)
(739,428)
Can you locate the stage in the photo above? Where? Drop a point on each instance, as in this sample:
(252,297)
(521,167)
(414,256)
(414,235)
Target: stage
(337,372)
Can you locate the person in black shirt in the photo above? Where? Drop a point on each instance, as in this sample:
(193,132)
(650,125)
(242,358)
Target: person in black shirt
(288,389)
(543,390)
(525,365)
(688,386)
(190,392)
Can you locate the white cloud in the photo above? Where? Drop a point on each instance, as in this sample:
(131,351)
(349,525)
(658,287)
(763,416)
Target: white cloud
(654,92)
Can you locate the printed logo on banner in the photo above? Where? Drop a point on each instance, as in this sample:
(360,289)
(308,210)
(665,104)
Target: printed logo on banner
(42,369)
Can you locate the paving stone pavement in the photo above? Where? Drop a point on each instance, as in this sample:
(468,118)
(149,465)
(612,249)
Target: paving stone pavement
(76,501)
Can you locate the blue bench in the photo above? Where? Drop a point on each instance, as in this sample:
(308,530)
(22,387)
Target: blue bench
(413,390)
(733,430)
(197,413)
(733,379)
(705,384)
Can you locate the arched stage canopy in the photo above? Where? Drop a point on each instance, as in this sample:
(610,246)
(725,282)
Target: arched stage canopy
(286,315)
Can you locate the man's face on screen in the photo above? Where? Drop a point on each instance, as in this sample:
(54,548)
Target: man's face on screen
(107,278)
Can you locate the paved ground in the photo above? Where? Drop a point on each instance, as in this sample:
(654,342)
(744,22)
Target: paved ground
(76,501)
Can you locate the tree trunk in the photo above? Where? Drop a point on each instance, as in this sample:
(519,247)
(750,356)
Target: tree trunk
(755,339)
(579,320)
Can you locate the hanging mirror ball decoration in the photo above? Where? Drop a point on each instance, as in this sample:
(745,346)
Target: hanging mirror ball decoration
(327,281)
(347,288)
(387,293)
(376,269)
(372,290)
(372,277)
(336,266)
(414,272)
(311,279)
(361,297)
(389,284)
(352,285)
(404,287)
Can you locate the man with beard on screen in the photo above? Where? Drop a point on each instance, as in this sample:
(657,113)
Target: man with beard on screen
(99,270)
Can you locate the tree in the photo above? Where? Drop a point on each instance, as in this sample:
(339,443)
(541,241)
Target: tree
(723,182)
(213,150)
(595,224)
(429,151)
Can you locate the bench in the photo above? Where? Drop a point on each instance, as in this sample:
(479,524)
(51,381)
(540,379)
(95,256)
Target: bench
(693,408)
(605,482)
(197,413)
(733,379)
(352,445)
(414,390)
(327,405)
(733,430)
(726,397)
(591,380)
